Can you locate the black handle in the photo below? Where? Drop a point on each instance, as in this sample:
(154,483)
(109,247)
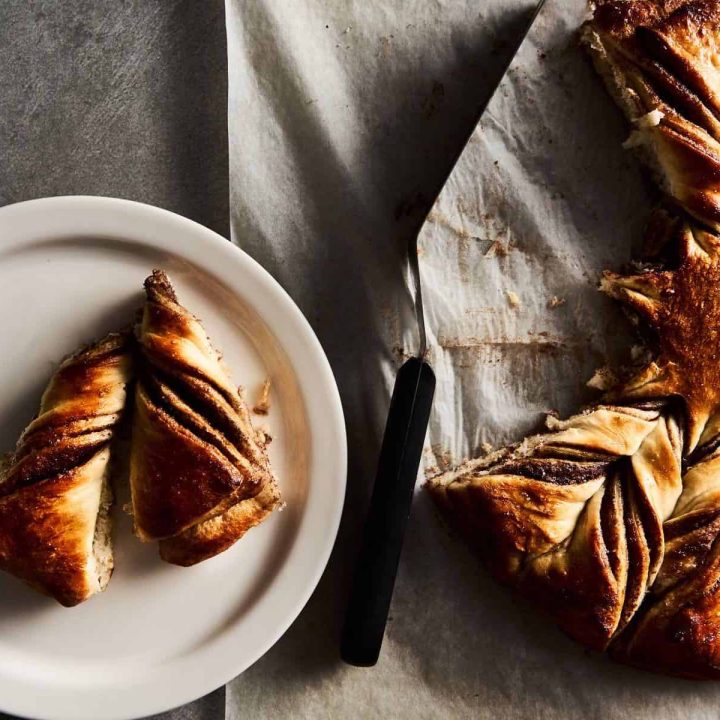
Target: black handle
(388,514)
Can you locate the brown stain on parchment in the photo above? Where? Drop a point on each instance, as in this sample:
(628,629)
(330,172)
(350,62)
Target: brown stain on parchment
(492,244)
(492,236)
(437,218)
(469,352)
(535,342)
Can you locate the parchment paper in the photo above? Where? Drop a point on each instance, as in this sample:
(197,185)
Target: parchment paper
(343,118)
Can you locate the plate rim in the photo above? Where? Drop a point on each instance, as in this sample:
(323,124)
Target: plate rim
(144,700)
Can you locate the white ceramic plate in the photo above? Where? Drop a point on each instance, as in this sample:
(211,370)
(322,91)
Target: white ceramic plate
(72,269)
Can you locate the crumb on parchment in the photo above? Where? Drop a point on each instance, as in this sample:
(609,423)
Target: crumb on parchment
(497,249)
(262,405)
(556,302)
(513,299)
(552,420)
(603,379)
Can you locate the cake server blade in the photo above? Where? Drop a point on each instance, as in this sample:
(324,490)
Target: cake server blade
(396,475)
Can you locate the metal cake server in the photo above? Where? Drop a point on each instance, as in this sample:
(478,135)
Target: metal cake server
(396,475)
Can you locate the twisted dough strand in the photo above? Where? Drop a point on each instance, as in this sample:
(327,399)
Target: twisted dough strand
(200,474)
(54,492)
(573,518)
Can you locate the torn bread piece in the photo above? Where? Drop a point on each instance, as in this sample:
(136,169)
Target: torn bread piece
(55,496)
(262,406)
(199,470)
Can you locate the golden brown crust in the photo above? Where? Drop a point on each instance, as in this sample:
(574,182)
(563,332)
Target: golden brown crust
(178,480)
(46,531)
(662,58)
(211,537)
(682,306)
(623,553)
(610,521)
(678,629)
(585,545)
(196,459)
(51,486)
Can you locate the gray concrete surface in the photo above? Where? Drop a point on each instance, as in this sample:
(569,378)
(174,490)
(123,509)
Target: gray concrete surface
(123,98)
(118,97)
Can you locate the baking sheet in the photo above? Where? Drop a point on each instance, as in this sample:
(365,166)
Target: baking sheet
(343,117)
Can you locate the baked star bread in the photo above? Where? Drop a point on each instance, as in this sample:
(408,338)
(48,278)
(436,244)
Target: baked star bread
(609,521)
(572,518)
(682,306)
